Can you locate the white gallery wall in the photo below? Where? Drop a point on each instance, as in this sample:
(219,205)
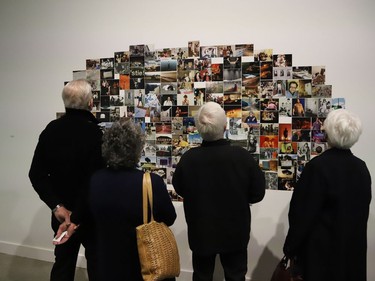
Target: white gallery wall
(43,41)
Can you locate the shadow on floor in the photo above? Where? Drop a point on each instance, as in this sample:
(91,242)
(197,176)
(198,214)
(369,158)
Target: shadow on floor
(14,268)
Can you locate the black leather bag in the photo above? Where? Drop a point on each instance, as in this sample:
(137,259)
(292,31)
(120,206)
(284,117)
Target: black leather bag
(286,270)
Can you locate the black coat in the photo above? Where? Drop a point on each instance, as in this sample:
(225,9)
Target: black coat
(328,217)
(218,182)
(68,152)
(116,205)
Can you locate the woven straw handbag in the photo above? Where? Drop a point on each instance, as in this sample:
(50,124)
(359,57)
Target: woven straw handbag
(157,247)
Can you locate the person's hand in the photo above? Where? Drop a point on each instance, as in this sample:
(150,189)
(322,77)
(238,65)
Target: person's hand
(69,230)
(63,215)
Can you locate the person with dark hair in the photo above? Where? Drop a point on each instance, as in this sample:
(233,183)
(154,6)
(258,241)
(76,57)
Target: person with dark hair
(68,152)
(292,91)
(185,100)
(251,118)
(298,109)
(329,208)
(218,182)
(116,202)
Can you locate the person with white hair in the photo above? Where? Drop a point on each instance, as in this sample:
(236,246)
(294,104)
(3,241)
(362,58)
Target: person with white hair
(329,208)
(67,154)
(218,182)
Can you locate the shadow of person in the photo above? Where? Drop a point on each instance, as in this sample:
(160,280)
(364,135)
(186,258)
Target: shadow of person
(272,252)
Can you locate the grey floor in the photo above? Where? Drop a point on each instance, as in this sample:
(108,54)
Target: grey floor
(14,268)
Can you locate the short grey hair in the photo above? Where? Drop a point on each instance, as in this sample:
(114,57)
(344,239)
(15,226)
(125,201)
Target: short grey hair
(77,94)
(343,128)
(211,121)
(122,144)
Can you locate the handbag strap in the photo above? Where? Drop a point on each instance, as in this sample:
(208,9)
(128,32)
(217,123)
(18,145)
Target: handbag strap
(147,197)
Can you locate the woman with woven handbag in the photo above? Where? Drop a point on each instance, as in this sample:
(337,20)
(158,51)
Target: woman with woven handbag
(117,206)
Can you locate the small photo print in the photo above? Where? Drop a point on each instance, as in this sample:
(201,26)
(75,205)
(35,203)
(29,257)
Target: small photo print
(302,72)
(325,106)
(301,135)
(244,50)
(92,64)
(193,49)
(269,141)
(106,63)
(137,50)
(269,153)
(168,65)
(282,60)
(318,75)
(320,91)
(232,63)
(269,129)
(317,148)
(263,55)
(152,65)
(209,52)
(304,151)
(271,180)
(338,103)
(233,111)
(287,184)
(267,116)
(285,107)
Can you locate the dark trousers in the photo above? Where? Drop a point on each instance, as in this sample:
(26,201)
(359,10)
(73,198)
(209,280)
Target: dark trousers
(66,254)
(234,265)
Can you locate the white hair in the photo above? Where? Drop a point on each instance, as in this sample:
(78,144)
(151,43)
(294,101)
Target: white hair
(211,121)
(77,94)
(343,128)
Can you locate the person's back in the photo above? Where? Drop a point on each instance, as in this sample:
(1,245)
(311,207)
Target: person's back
(342,192)
(70,147)
(67,153)
(218,182)
(330,206)
(117,206)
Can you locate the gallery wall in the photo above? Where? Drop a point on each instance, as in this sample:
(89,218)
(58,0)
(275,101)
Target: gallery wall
(42,42)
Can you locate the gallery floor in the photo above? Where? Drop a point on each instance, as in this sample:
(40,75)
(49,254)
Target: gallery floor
(14,268)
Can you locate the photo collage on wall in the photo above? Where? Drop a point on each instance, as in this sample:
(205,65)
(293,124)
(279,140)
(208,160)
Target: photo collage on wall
(275,109)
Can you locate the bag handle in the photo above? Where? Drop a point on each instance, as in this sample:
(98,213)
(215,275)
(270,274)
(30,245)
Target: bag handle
(147,197)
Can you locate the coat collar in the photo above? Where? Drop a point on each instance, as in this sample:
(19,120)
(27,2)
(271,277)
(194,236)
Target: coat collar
(81,112)
(216,143)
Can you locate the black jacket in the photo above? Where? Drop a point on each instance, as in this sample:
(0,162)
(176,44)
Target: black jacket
(218,182)
(116,205)
(68,152)
(328,217)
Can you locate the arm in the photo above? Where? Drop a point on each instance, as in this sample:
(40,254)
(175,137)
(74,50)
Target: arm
(40,178)
(257,185)
(163,207)
(177,179)
(306,203)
